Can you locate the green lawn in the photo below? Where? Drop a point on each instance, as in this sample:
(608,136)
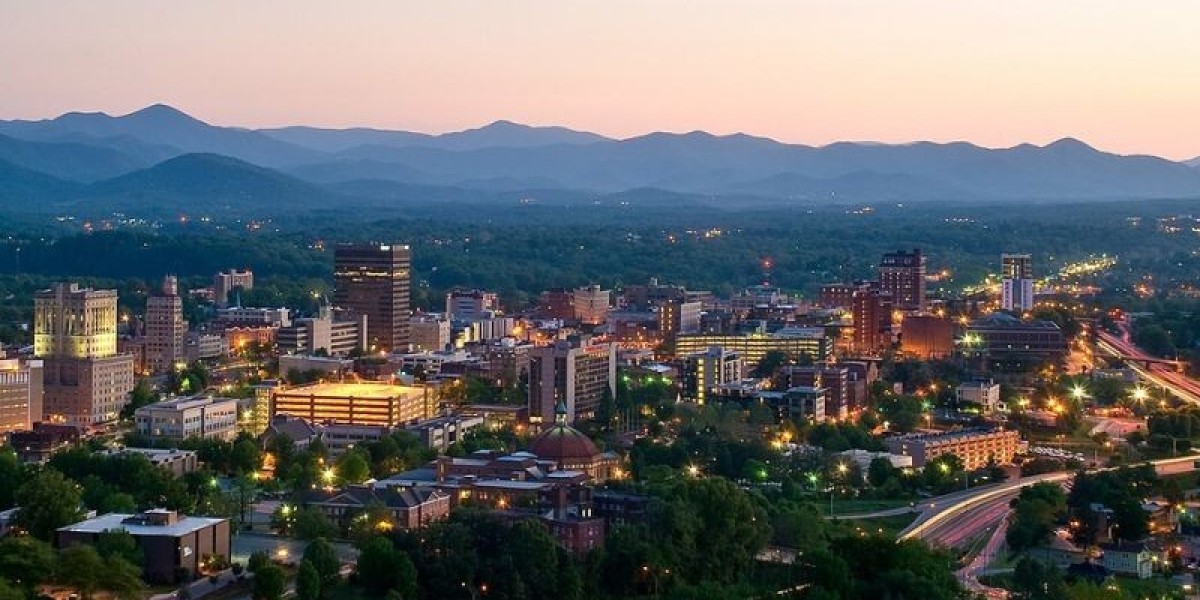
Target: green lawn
(853,507)
(890,526)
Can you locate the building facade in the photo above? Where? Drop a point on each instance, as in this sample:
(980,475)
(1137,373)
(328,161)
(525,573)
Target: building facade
(169,542)
(811,342)
(20,395)
(374,280)
(224,284)
(334,332)
(189,417)
(591,304)
(367,403)
(165,328)
(872,318)
(975,447)
(704,373)
(471,305)
(902,274)
(430,333)
(576,372)
(85,380)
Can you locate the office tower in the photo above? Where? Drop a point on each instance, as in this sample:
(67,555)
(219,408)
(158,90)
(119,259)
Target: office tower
(471,305)
(373,280)
(1016,282)
(75,333)
(20,395)
(165,327)
(872,313)
(336,332)
(902,274)
(225,283)
(575,372)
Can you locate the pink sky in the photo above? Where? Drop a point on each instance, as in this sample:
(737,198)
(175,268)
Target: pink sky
(1121,75)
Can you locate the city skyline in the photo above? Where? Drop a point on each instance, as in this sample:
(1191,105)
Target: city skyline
(1115,75)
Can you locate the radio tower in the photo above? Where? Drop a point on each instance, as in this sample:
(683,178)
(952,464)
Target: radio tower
(765,263)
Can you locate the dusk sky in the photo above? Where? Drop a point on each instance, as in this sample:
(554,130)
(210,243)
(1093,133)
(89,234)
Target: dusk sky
(1121,75)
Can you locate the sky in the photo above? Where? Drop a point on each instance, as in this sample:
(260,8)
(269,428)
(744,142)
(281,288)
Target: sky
(1122,75)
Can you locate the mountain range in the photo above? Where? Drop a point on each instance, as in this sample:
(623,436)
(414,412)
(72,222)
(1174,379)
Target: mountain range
(162,158)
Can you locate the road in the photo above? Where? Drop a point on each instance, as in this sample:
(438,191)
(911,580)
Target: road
(1157,373)
(960,516)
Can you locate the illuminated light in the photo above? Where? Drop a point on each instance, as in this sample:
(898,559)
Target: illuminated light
(693,470)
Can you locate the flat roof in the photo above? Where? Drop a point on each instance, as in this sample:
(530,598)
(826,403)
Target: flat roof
(113,521)
(352,389)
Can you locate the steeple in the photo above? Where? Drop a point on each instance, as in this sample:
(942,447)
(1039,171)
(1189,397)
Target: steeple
(560,412)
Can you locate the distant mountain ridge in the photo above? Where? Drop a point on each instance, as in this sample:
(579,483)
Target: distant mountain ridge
(160,156)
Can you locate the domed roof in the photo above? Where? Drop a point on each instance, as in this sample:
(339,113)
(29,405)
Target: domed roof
(564,444)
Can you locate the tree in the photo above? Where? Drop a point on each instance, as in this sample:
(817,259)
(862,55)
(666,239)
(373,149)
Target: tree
(26,561)
(11,477)
(141,395)
(8,592)
(377,563)
(353,468)
(48,501)
(1035,580)
(122,578)
(1035,512)
(321,555)
(269,582)
(80,567)
(310,523)
(257,561)
(880,471)
(245,457)
(770,361)
(308,582)
(119,544)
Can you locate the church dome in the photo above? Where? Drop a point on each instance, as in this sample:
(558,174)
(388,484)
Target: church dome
(564,444)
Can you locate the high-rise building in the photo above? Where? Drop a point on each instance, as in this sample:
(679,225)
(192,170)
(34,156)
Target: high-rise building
(591,304)
(471,305)
(1016,282)
(165,327)
(703,373)
(676,317)
(225,283)
(797,343)
(872,313)
(75,333)
(20,395)
(575,372)
(902,274)
(374,280)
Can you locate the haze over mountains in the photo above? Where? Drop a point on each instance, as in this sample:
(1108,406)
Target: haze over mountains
(162,158)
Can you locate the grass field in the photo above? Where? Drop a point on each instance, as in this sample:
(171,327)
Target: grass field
(854,507)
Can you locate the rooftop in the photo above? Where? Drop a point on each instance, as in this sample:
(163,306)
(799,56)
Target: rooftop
(381,391)
(115,521)
(185,402)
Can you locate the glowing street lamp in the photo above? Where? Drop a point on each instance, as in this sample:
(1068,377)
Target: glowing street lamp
(693,470)
(1079,392)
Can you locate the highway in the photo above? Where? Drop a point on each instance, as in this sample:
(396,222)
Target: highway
(959,517)
(1149,368)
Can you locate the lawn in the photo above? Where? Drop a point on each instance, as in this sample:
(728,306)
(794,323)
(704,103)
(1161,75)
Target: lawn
(854,507)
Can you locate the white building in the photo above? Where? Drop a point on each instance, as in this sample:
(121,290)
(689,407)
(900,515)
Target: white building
(984,393)
(186,417)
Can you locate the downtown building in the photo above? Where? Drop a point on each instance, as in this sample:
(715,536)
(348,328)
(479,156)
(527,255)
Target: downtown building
(166,330)
(575,372)
(189,417)
(335,332)
(1016,282)
(795,342)
(902,274)
(85,381)
(20,395)
(374,280)
(704,373)
(871,311)
(226,283)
